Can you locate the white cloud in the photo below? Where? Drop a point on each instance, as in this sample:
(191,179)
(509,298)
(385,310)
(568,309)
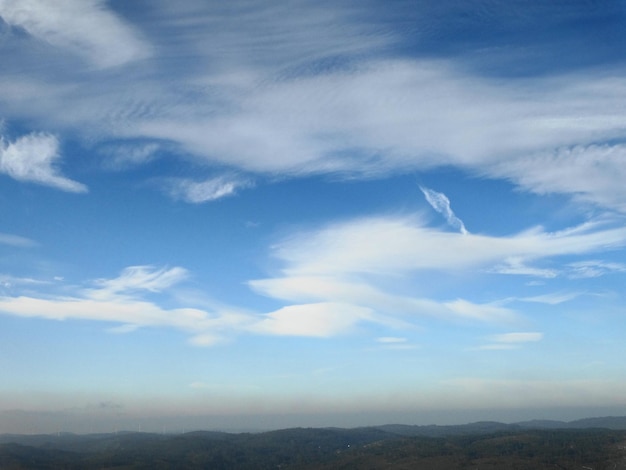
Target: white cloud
(399,346)
(125,155)
(138,278)
(129,312)
(206,340)
(277,111)
(515,265)
(391,340)
(205,328)
(396,311)
(197,192)
(441,204)
(395,343)
(8,281)
(591,173)
(16,240)
(32,158)
(391,115)
(320,319)
(120,301)
(358,262)
(84,27)
(483,312)
(523,337)
(123,329)
(554,298)
(512,340)
(392,245)
(260,100)
(268,35)
(333,278)
(594,268)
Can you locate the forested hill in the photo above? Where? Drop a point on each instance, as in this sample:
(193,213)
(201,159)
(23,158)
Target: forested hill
(488,445)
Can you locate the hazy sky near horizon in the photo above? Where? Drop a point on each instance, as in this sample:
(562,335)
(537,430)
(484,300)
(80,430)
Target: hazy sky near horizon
(268,208)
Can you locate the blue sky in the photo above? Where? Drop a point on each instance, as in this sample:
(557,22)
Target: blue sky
(266,214)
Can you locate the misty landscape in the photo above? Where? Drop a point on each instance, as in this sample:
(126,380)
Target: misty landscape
(596,443)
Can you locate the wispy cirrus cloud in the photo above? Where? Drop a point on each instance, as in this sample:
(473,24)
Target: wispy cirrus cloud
(318,96)
(8,281)
(517,266)
(441,204)
(138,278)
(576,270)
(16,240)
(269,36)
(591,173)
(197,192)
(32,158)
(126,155)
(395,343)
(512,340)
(391,340)
(553,298)
(342,131)
(594,268)
(84,27)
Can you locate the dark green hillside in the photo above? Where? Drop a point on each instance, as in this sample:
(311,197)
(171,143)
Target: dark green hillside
(17,456)
(388,447)
(528,450)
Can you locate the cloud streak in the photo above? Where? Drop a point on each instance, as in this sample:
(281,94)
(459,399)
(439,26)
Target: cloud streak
(121,301)
(392,245)
(594,268)
(139,278)
(397,311)
(197,192)
(16,240)
(512,340)
(441,204)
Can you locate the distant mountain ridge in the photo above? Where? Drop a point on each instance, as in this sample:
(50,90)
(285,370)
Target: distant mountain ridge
(531,445)
(488,427)
(606,422)
(431,430)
